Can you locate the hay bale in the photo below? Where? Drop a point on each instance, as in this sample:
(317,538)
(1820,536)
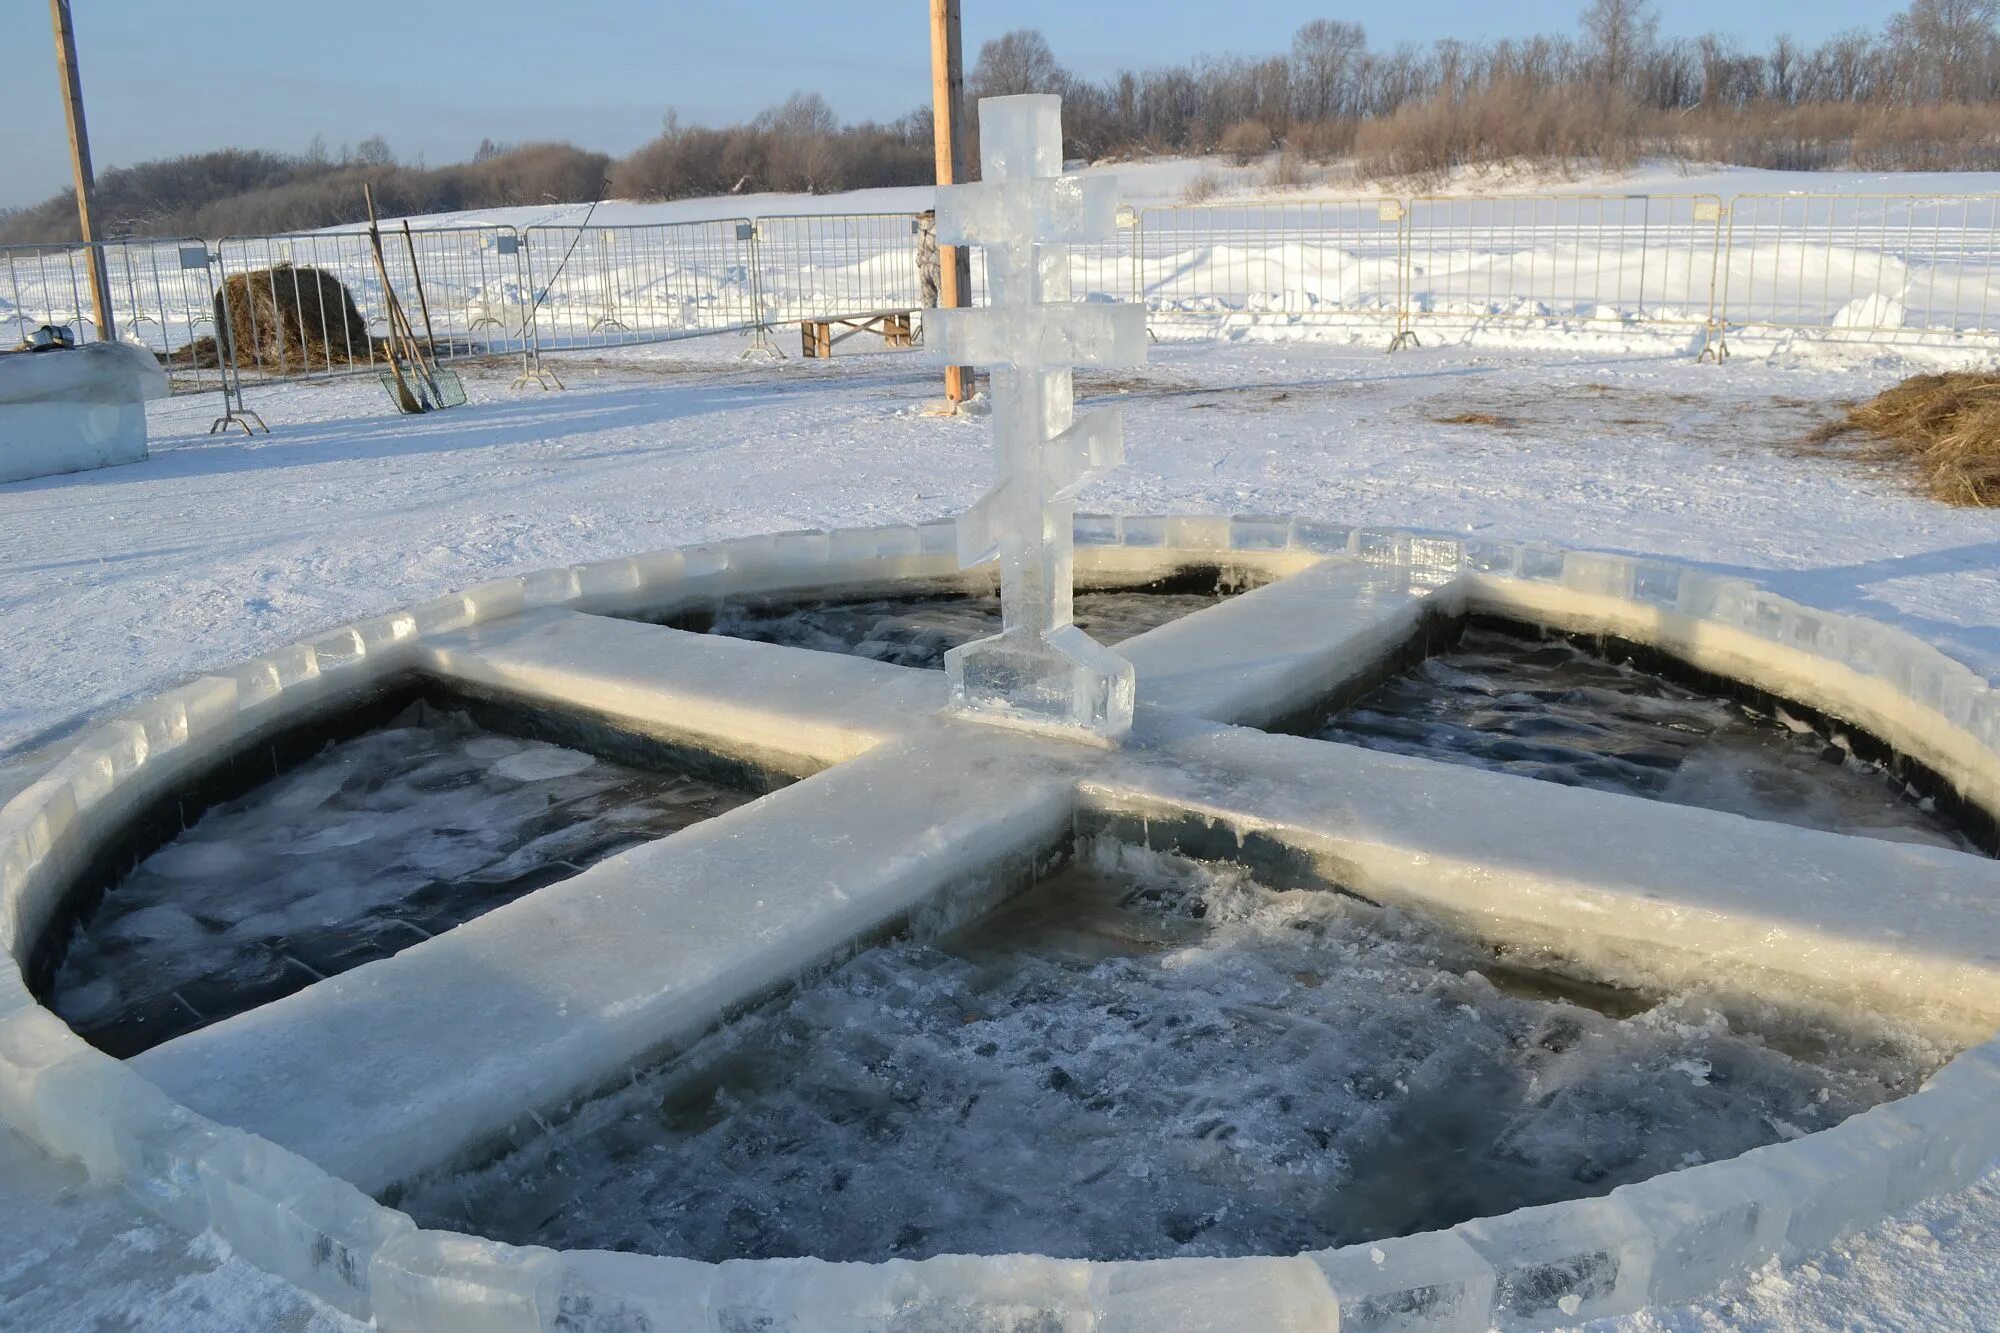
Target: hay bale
(1946,426)
(289,319)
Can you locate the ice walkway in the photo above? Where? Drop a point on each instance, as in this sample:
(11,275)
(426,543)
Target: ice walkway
(572,988)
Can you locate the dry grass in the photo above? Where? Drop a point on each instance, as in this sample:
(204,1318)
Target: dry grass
(1246,141)
(1203,187)
(288,319)
(1478,419)
(1946,426)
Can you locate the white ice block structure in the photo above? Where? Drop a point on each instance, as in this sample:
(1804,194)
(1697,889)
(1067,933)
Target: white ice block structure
(1040,670)
(73,410)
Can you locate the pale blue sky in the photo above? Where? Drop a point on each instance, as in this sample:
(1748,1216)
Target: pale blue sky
(435,76)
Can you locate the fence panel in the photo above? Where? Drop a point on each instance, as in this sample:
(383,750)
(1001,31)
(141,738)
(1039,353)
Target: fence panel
(311,303)
(161,291)
(1331,262)
(835,265)
(1601,260)
(592,287)
(1866,268)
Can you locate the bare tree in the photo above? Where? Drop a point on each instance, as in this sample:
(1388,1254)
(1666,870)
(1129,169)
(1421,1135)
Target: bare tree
(1017,62)
(1620,33)
(1947,47)
(1784,65)
(1324,53)
(801,131)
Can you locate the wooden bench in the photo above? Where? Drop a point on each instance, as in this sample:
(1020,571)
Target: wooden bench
(817,336)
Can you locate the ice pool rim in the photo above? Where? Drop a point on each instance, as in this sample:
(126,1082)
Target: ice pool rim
(1666,1239)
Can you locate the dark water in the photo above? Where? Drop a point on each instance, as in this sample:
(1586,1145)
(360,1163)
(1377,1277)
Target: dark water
(1549,709)
(1146,1057)
(378,843)
(917,631)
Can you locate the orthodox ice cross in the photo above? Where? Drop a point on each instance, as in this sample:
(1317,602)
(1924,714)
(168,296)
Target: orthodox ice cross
(1040,670)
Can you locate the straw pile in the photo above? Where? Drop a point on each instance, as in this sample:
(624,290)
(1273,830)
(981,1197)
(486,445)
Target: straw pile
(1946,426)
(286,319)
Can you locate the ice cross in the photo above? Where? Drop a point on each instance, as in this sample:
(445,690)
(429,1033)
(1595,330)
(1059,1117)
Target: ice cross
(1040,670)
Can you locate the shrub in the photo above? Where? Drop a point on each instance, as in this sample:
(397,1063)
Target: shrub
(1201,187)
(1245,141)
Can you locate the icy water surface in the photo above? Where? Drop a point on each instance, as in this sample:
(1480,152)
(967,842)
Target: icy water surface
(917,631)
(1146,1057)
(376,844)
(1548,709)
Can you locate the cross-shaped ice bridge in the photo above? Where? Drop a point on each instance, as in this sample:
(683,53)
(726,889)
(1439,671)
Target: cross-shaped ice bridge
(908,817)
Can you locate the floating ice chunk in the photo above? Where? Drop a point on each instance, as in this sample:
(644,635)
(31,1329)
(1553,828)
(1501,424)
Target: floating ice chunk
(1433,1281)
(1585,1259)
(540,763)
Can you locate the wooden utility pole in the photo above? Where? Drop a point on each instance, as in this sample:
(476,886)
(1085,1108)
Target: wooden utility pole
(79,156)
(947,93)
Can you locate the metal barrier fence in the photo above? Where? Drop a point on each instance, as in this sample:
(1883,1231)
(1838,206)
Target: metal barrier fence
(1334,261)
(596,287)
(828,265)
(1866,268)
(1627,260)
(1877,269)
(311,304)
(161,293)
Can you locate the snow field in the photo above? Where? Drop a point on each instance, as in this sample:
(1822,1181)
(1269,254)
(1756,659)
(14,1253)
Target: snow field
(1657,259)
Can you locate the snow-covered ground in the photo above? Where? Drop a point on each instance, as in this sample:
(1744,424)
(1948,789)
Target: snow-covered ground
(1647,258)
(1169,180)
(115,584)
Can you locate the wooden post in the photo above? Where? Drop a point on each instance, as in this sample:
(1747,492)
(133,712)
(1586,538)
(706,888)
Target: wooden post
(79,157)
(947,93)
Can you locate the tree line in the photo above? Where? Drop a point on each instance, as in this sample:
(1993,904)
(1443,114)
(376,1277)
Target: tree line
(1922,92)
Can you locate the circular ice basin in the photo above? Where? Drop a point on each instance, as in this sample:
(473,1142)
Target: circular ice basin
(1666,1239)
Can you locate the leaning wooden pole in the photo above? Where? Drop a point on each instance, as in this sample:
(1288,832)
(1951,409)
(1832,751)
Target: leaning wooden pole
(947,95)
(417,277)
(406,398)
(79,159)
